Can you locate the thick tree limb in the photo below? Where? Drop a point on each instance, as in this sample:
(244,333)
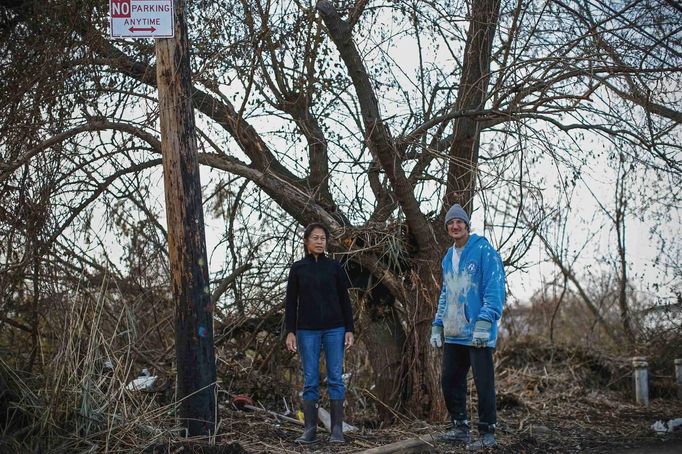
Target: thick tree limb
(645,102)
(378,135)
(471,95)
(356,12)
(297,105)
(16,324)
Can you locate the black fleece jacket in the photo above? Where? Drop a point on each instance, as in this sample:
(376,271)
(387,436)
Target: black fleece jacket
(317,295)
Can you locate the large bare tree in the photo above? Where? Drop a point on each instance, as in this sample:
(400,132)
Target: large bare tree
(370,116)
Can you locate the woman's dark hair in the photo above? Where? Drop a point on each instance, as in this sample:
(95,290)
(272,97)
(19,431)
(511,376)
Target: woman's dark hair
(309,230)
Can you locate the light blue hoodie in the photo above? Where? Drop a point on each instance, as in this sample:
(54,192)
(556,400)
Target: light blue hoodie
(473,292)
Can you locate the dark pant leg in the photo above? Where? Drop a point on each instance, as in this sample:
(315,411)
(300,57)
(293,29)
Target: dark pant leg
(454,380)
(484,378)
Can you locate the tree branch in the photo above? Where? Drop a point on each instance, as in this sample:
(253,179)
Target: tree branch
(221,111)
(227,281)
(471,95)
(568,273)
(377,133)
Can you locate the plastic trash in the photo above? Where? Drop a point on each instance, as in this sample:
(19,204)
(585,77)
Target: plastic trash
(144,382)
(326,420)
(663,427)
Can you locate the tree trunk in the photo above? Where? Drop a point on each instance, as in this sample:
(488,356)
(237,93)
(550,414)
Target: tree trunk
(471,95)
(196,372)
(421,362)
(384,341)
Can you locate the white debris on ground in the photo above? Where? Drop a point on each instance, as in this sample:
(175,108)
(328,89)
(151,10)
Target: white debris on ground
(144,382)
(662,427)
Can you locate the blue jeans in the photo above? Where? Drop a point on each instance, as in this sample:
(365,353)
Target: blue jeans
(310,343)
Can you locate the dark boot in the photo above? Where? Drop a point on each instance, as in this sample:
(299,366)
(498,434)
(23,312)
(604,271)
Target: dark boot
(337,421)
(486,438)
(459,432)
(310,419)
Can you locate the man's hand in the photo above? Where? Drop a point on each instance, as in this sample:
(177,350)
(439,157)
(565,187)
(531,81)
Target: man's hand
(291,342)
(436,336)
(481,333)
(349,340)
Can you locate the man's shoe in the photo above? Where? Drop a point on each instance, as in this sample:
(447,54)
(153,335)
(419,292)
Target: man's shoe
(486,440)
(458,434)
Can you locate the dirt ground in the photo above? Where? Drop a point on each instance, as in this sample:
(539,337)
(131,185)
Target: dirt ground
(549,401)
(625,429)
(670,446)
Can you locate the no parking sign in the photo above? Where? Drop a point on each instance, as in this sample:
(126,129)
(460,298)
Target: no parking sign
(141,18)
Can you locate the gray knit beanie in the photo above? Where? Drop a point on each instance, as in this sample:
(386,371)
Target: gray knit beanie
(457,212)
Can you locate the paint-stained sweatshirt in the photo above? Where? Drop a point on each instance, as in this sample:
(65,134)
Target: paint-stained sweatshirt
(474,291)
(317,295)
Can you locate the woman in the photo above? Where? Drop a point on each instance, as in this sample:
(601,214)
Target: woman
(319,316)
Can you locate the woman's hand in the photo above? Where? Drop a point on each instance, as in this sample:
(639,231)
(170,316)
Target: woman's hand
(291,342)
(349,340)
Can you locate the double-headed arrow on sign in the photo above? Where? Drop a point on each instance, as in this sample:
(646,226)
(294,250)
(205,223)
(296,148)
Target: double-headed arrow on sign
(134,29)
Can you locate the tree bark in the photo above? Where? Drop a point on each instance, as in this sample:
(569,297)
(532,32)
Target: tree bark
(194,348)
(472,95)
(384,340)
(422,362)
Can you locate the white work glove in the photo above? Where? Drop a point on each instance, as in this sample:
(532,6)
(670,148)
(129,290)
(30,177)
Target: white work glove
(481,333)
(436,336)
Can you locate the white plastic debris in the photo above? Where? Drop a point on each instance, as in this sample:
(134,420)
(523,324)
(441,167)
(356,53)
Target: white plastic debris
(662,427)
(143,382)
(659,427)
(326,420)
(286,406)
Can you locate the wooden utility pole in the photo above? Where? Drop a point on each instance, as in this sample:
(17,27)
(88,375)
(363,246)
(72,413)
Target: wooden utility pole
(195,355)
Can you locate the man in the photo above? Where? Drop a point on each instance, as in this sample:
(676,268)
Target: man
(469,307)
